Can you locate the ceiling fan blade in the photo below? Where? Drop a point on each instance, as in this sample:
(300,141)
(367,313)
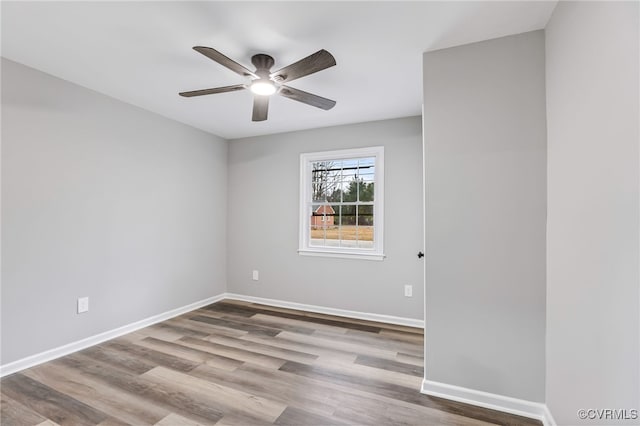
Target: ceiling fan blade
(260,108)
(312,63)
(213,91)
(224,61)
(307,98)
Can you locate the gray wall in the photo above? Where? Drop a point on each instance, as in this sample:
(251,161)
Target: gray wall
(593,355)
(105,200)
(264,212)
(485,169)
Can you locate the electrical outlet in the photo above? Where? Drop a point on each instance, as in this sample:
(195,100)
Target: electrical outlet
(408,290)
(255,275)
(83,304)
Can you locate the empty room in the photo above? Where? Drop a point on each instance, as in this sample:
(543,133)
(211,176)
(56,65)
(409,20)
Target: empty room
(320,213)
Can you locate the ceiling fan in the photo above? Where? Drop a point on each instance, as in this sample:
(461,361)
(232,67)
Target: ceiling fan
(265,83)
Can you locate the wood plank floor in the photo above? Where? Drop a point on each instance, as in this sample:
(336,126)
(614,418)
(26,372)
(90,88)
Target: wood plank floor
(238,363)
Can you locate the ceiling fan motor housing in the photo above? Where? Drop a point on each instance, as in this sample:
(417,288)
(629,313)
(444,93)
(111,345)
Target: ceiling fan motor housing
(263,64)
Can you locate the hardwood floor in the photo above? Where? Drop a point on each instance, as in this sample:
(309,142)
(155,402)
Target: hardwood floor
(237,363)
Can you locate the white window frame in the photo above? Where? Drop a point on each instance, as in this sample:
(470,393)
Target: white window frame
(306,165)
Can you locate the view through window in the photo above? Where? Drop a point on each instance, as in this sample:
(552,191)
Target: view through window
(342,203)
(341,194)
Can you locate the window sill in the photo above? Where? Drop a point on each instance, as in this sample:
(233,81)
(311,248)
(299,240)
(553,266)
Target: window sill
(341,254)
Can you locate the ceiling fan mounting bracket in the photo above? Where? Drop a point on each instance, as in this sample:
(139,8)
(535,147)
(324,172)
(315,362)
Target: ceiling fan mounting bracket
(262,62)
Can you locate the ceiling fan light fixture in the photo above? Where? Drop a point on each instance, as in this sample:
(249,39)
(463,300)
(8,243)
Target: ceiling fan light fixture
(263,87)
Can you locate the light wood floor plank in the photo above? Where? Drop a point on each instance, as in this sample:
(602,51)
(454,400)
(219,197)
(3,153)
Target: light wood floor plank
(198,356)
(294,416)
(268,384)
(13,413)
(328,352)
(238,403)
(175,420)
(410,359)
(323,341)
(184,321)
(126,408)
(52,423)
(368,372)
(265,347)
(177,401)
(231,352)
(298,322)
(50,403)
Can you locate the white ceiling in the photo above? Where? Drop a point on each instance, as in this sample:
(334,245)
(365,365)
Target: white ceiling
(140,52)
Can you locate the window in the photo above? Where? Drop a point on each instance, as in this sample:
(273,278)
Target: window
(341,203)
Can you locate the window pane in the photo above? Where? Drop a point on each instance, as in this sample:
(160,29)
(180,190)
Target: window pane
(348,215)
(332,238)
(349,166)
(367,162)
(365,226)
(342,187)
(325,177)
(317,225)
(332,234)
(336,194)
(366,174)
(365,215)
(366,168)
(348,236)
(365,191)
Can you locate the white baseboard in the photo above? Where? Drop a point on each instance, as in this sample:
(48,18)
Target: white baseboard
(51,354)
(520,407)
(548,418)
(388,319)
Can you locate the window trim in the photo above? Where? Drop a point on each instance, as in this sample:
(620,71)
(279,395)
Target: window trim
(306,162)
